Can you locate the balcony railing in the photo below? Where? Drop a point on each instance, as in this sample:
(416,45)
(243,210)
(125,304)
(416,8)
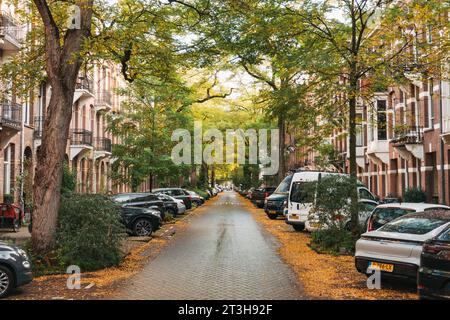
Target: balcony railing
(80,137)
(408,135)
(11,114)
(103,97)
(85,83)
(103,144)
(38,126)
(8,26)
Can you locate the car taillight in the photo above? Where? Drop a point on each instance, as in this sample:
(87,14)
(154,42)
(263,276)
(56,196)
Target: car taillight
(430,248)
(266,195)
(370,225)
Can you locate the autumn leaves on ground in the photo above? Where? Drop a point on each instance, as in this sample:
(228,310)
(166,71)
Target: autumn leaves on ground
(102,284)
(325,276)
(322,276)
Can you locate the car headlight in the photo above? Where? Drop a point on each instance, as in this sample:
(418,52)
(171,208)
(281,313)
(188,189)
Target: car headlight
(23,254)
(26,264)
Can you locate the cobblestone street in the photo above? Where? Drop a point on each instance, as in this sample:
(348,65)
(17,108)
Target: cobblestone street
(222,254)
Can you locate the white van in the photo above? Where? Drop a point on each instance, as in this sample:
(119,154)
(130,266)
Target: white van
(298,208)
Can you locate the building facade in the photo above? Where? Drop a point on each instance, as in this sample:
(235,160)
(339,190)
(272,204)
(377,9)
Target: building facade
(89,145)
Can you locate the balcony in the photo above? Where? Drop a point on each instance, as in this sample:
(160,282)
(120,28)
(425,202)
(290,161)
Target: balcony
(408,140)
(103,100)
(84,88)
(11,33)
(407,135)
(80,141)
(11,115)
(102,147)
(80,137)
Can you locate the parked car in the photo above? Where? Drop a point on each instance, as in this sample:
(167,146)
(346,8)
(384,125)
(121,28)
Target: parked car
(171,205)
(15,268)
(249,193)
(396,247)
(276,202)
(388,212)
(434,271)
(177,193)
(259,195)
(300,202)
(142,200)
(141,221)
(196,198)
(11,216)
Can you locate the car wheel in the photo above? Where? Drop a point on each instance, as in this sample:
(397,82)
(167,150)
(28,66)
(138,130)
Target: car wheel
(272,216)
(6,281)
(298,227)
(143,228)
(172,212)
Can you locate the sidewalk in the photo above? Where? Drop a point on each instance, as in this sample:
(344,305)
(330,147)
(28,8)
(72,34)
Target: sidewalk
(15,237)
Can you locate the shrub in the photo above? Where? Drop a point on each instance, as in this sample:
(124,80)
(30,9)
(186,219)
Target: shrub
(8,198)
(414,195)
(89,232)
(331,208)
(69,181)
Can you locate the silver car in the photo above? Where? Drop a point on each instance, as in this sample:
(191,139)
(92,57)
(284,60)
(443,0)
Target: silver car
(395,248)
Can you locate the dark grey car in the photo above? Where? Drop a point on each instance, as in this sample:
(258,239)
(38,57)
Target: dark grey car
(15,268)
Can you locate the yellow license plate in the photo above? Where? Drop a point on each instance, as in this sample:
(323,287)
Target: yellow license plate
(316,225)
(382,266)
(294,217)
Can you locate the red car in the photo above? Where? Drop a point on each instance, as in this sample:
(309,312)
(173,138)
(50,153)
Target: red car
(10,216)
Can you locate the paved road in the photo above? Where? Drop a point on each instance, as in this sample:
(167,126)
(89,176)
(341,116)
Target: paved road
(222,254)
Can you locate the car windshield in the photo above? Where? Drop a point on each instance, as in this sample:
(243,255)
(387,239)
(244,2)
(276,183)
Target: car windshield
(301,192)
(284,186)
(413,225)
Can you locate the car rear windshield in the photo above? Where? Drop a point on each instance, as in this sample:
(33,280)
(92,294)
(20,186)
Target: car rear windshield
(384,215)
(444,236)
(302,192)
(284,186)
(413,225)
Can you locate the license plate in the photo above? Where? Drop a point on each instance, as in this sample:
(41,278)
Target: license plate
(381,266)
(315,225)
(294,217)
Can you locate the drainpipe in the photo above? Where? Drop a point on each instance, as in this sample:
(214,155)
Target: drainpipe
(441,144)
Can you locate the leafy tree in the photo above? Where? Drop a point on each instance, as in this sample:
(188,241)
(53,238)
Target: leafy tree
(352,58)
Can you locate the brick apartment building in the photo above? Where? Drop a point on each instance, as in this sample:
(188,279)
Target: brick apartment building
(403,141)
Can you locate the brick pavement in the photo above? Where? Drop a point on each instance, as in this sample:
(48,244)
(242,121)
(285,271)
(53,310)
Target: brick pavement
(222,254)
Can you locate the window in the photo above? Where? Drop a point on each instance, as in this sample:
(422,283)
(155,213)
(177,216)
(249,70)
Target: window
(444,236)
(383,215)
(284,186)
(381,119)
(7,170)
(365,194)
(301,192)
(359,130)
(367,206)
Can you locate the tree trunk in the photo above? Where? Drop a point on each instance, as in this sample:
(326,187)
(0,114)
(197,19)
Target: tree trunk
(282,134)
(352,148)
(49,169)
(62,66)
